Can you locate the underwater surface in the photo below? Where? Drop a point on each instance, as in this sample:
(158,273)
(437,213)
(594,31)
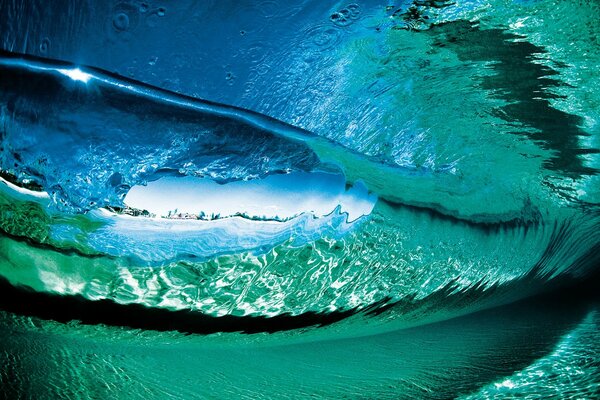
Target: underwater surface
(307,199)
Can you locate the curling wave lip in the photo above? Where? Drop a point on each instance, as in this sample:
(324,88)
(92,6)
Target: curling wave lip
(111,111)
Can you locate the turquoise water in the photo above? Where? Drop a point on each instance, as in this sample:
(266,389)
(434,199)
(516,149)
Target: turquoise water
(270,201)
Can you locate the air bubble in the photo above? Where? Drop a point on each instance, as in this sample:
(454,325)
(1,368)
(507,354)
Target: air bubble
(45,45)
(324,37)
(346,15)
(230,78)
(354,10)
(121,22)
(262,69)
(338,19)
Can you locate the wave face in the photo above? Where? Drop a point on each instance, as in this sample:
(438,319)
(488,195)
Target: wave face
(370,170)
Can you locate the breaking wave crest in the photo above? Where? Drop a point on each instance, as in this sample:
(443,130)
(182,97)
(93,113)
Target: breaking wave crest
(116,190)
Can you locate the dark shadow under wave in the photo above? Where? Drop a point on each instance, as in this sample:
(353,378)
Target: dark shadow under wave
(443,360)
(27,302)
(443,304)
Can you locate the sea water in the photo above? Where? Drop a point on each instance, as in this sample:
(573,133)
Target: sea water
(271,200)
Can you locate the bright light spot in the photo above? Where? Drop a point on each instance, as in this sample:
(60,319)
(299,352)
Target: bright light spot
(76,74)
(507,384)
(518,23)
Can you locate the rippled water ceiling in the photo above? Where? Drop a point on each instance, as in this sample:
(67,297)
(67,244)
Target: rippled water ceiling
(269,199)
